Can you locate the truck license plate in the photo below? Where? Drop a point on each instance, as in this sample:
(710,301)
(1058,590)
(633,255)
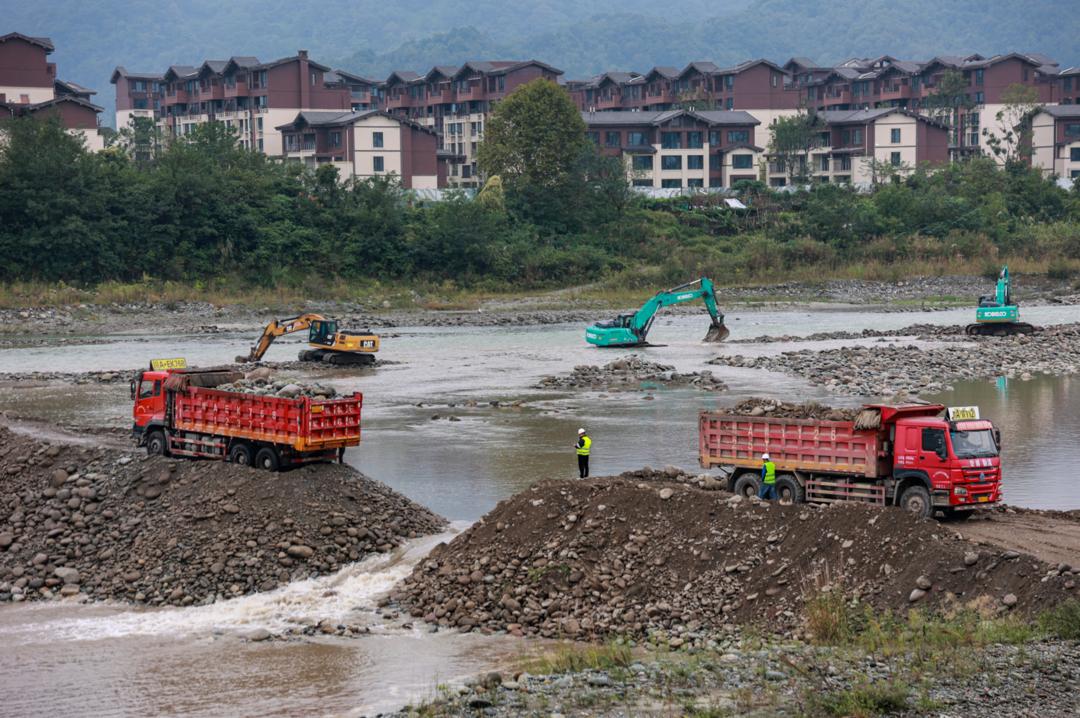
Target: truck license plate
(984,498)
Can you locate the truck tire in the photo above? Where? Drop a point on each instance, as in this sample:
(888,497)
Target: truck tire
(916,499)
(156,444)
(267,459)
(789,490)
(747,485)
(240,453)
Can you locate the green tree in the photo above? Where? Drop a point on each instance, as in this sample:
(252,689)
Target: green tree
(949,101)
(1012,141)
(791,139)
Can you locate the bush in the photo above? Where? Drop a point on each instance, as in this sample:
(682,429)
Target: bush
(1062,621)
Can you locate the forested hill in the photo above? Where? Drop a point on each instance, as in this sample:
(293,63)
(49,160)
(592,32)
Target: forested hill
(579,36)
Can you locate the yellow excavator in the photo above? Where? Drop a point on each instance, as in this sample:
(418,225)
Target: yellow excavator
(328,344)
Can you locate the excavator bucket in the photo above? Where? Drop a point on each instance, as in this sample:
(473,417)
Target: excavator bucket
(718,332)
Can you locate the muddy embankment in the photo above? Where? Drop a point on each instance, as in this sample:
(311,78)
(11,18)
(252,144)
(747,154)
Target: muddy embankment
(101,524)
(890,369)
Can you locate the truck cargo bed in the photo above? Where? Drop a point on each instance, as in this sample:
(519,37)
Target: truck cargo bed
(809,445)
(304,424)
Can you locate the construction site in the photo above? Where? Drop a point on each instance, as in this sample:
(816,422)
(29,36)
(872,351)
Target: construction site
(343,486)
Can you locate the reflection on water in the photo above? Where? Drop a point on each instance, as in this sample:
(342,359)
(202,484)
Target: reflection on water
(1040,429)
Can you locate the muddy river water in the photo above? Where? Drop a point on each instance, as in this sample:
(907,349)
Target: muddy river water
(112,660)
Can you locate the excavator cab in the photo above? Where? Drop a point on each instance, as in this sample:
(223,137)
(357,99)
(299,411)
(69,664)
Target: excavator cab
(322,332)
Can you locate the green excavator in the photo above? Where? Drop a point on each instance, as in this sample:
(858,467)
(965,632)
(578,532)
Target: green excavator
(998,315)
(630,330)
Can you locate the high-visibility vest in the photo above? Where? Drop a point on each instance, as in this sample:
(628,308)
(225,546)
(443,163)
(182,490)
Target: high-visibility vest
(770,472)
(586,443)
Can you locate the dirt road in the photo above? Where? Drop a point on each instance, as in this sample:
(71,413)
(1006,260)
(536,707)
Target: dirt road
(1050,537)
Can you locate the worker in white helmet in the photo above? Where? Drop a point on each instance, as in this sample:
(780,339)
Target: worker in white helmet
(583,445)
(768,478)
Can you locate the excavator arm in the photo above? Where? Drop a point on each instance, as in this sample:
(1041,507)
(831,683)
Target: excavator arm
(640,322)
(277,328)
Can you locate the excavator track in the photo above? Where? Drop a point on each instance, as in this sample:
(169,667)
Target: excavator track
(998,330)
(337,358)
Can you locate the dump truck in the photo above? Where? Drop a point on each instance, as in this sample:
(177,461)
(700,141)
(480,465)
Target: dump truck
(178,412)
(921,457)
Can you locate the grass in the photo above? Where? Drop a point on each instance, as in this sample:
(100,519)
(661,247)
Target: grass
(1062,621)
(571,658)
(864,701)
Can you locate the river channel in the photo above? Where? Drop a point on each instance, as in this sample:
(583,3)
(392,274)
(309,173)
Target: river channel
(111,660)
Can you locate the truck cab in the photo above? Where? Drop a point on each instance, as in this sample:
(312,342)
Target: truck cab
(956,463)
(148,402)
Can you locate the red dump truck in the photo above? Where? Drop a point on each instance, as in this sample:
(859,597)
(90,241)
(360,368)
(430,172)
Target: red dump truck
(178,412)
(914,456)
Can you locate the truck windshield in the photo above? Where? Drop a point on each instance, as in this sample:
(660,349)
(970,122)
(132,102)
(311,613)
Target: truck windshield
(973,444)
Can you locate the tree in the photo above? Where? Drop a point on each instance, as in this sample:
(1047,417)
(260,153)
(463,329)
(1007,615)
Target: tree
(882,172)
(949,100)
(790,142)
(141,140)
(1012,142)
(535,137)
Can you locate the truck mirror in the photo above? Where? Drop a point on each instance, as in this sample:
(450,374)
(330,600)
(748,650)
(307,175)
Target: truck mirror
(997,438)
(132,389)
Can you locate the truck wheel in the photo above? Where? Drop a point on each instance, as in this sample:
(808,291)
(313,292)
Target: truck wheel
(156,444)
(240,453)
(916,499)
(747,486)
(267,459)
(789,490)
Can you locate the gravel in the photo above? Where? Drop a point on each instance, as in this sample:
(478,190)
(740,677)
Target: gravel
(630,373)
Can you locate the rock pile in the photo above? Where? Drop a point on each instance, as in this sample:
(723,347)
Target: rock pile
(279,387)
(630,373)
(889,370)
(86,521)
(609,557)
(922,331)
(787,410)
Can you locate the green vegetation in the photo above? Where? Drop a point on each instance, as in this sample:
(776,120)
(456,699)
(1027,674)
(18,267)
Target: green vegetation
(865,701)
(202,216)
(1062,621)
(570,657)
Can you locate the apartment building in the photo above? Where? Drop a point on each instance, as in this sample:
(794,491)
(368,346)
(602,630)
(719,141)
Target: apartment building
(456,103)
(365,144)
(364,93)
(853,145)
(137,95)
(679,148)
(29,86)
(1056,140)
(760,87)
(1068,86)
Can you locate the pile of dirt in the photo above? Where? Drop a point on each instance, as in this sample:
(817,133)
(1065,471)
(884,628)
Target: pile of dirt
(609,557)
(279,387)
(630,373)
(99,523)
(787,410)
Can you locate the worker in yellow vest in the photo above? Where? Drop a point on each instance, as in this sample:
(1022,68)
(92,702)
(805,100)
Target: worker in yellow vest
(584,443)
(768,479)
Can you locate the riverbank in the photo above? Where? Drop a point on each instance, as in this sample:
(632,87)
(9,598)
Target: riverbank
(32,311)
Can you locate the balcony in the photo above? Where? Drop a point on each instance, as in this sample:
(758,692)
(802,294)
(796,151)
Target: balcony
(237,89)
(609,102)
(895,92)
(443,95)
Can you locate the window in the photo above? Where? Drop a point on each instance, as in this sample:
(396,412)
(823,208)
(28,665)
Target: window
(671,183)
(1074,174)
(894,135)
(314,78)
(716,162)
(335,139)
(693,140)
(637,139)
(729,81)
(642,163)
(742,162)
(933,440)
(260,145)
(715,182)
(671,140)
(979,77)
(24,99)
(1074,154)
(775,79)
(1073,129)
(474,128)
(729,103)
(736,136)
(258,123)
(149,388)
(376,139)
(1067,84)
(980,98)
(643,182)
(714,137)
(379,165)
(695,162)
(594,136)
(695,182)
(894,159)
(671,162)
(611,139)
(850,138)
(844,164)
(823,163)
(466,171)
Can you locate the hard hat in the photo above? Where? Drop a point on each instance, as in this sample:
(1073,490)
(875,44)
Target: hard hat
(581,431)
(764,457)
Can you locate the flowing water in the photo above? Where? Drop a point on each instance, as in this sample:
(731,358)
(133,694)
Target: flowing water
(112,660)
